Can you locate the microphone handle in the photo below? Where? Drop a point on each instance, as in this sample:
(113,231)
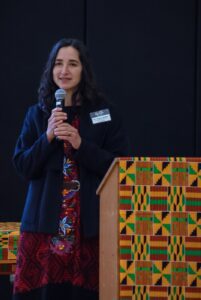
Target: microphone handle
(60,103)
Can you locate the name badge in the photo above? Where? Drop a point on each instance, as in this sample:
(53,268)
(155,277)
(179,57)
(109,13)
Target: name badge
(100,116)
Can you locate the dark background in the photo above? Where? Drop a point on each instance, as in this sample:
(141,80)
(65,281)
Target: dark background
(146,56)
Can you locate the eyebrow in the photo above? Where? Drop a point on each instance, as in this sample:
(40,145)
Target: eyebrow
(74,60)
(71,60)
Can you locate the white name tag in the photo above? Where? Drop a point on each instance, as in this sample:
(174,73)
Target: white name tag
(100,116)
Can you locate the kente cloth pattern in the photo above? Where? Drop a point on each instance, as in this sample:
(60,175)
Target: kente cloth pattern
(9,235)
(66,256)
(160,228)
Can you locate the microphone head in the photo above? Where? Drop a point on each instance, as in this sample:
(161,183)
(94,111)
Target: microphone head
(60,96)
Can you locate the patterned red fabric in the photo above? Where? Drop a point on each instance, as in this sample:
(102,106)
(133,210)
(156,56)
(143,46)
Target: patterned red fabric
(37,265)
(65,257)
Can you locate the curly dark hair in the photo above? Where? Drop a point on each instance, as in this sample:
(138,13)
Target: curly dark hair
(87,89)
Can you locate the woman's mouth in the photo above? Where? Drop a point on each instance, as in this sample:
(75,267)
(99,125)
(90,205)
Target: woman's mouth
(64,79)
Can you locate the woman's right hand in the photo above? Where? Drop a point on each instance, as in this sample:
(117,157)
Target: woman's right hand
(57,117)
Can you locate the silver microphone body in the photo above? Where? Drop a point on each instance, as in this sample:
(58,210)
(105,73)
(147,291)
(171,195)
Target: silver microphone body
(60,97)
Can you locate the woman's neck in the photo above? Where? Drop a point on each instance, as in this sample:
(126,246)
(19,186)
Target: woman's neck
(68,99)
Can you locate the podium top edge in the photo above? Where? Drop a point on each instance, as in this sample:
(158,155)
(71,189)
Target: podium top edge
(115,161)
(162,158)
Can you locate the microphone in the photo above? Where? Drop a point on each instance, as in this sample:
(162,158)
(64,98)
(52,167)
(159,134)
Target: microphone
(60,96)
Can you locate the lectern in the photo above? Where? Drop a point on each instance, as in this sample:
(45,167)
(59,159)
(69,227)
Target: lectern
(150,229)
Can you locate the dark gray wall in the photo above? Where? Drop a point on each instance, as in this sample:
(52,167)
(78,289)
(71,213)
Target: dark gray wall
(146,56)
(197,81)
(144,53)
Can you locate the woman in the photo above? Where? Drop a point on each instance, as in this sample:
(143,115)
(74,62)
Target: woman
(64,153)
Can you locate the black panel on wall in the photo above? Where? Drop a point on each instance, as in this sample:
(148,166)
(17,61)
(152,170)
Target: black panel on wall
(28,31)
(144,57)
(198,81)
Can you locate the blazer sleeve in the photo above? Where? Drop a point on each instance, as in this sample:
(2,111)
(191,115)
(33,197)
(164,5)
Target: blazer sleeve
(32,149)
(116,144)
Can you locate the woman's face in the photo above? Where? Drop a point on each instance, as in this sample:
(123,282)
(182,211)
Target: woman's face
(67,69)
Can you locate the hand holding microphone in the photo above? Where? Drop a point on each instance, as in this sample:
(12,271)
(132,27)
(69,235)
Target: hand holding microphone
(57,127)
(57,116)
(66,132)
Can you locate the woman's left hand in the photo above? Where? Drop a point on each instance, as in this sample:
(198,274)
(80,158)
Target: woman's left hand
(66,132)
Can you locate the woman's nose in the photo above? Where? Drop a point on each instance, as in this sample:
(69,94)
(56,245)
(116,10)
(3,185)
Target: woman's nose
(65,69)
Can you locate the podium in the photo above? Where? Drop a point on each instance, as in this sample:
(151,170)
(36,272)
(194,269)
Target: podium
(150,229)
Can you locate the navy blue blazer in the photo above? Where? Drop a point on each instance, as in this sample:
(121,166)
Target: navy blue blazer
(41,163)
